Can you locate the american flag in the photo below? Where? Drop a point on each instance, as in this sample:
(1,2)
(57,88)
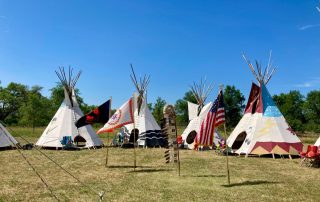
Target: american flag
(214,118)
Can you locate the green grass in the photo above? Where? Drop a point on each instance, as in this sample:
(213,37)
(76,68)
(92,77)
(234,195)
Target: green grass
(308,138)
(203,176)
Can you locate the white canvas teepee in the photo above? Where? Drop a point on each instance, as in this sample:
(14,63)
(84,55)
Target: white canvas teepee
(197,114)
(6,139)
(63,122)
(145,125)
(317,142)
(148,129)
(194,125)
(263,129)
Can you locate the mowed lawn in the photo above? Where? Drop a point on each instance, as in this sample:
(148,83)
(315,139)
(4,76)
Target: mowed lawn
(203,176)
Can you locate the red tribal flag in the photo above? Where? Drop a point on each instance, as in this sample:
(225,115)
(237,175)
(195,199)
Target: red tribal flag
(100,114)
(123,116)
(214,118)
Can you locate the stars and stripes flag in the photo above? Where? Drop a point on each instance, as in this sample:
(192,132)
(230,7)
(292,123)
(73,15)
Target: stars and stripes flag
(214,118)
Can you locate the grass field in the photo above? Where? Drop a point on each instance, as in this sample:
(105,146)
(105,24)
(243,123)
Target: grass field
(203,176)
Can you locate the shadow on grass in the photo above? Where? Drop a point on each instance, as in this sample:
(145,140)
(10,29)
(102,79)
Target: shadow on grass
(204,176)
(151,170)
(127,166)
(250,183)
(276,156)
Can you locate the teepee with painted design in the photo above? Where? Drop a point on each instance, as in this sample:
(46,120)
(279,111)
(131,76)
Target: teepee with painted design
(263,129)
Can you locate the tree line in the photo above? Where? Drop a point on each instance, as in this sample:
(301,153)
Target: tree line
(24,106)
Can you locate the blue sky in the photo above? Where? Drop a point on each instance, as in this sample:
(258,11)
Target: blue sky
(175,42)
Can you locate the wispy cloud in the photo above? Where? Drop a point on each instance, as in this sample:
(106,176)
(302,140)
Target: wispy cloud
(301,28)
(308,84)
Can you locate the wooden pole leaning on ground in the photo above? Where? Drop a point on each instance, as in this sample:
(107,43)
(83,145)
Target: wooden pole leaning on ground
(108,134)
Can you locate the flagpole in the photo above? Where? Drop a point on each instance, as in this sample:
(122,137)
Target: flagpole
(227,158)
(178,149)
(107,156)
(134,140)
(134,148)
(226,137)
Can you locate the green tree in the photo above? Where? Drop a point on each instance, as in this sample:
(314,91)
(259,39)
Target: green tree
(181,107)
(57,96)
(291,106)
(150,107)
(35,111)
(312,111)
(11,99)
(234,105)
(158,109)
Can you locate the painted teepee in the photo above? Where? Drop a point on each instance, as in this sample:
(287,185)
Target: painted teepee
(197,113)
(6,139)
(63,123)
(263,129)
(146,126)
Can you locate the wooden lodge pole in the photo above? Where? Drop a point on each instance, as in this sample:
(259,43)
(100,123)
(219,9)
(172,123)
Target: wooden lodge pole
(226,137)
(178,149)
(107,155)
(134,139)
(134,146)
(227,156)
(108,134)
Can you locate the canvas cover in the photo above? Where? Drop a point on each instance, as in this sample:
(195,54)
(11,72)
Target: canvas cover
(6,139)
(263,129)
(195,123)
(317,142)
(63,124)
(192,110)
(149,131)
